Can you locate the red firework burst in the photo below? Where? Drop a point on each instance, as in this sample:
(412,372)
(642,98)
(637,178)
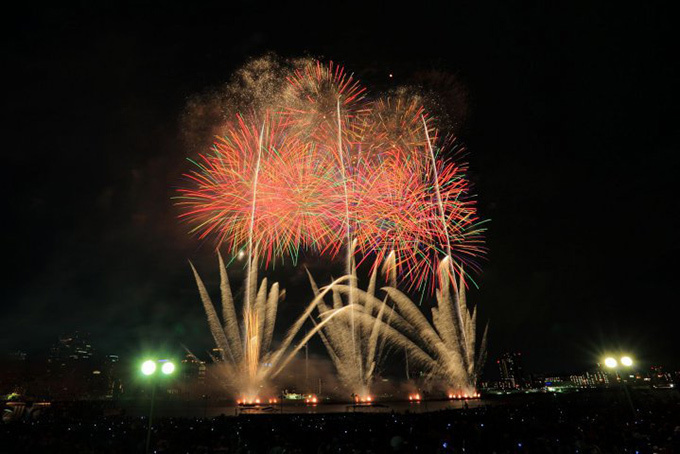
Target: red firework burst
(396,211)
(298,178)
(277,184)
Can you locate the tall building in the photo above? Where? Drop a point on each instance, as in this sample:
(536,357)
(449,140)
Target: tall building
(113,385)
(216,354)
(70,351)
(13,372)
(658,376)
(193,369)
(193,374)
(72,368)
(590,378)
(511,370)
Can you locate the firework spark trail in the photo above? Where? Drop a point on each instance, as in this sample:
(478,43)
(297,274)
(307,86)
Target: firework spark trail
(247,361)
(358,358)
(251,252)
(345,351)
(349,246)
(459,332)
(430,345)
(437,190)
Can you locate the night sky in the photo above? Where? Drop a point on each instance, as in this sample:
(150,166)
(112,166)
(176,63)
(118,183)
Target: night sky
(569,115)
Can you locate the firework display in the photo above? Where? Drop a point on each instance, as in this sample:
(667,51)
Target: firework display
(246,358)
(289,185)
(328,166)
(317,165)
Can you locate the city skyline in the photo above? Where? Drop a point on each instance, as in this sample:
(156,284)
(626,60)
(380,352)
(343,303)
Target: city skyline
(506,371)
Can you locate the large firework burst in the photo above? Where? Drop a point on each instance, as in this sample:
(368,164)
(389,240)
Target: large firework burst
(310,103)
(396,212)
(324,166)
(259,178)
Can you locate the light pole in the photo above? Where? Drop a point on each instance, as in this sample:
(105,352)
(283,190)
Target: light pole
(612,364)
(149,368)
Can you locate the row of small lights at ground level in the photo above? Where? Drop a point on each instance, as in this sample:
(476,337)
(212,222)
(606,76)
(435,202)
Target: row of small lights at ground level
(417,397)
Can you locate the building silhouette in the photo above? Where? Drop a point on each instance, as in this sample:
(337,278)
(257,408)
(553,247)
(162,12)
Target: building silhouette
(511,370)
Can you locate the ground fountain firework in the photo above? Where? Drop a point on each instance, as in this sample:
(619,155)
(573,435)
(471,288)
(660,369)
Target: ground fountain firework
(356,347)
(396,320)
(247,361)
(454,361)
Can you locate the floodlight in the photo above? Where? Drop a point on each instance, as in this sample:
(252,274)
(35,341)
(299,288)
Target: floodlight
(148,367)
(168,368)
(627,361)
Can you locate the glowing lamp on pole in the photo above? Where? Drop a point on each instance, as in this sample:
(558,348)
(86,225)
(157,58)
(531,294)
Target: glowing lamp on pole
(610,362)
(149,368)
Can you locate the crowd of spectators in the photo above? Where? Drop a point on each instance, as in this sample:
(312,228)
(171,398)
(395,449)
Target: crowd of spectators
(550,423)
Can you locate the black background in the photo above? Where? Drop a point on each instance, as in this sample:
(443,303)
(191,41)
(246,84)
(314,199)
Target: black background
(571,131)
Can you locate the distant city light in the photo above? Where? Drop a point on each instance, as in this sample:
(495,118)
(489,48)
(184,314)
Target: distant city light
(148,367)
(610,362)
(627,361)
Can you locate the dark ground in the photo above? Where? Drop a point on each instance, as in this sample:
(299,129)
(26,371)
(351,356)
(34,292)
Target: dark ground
(589,422)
